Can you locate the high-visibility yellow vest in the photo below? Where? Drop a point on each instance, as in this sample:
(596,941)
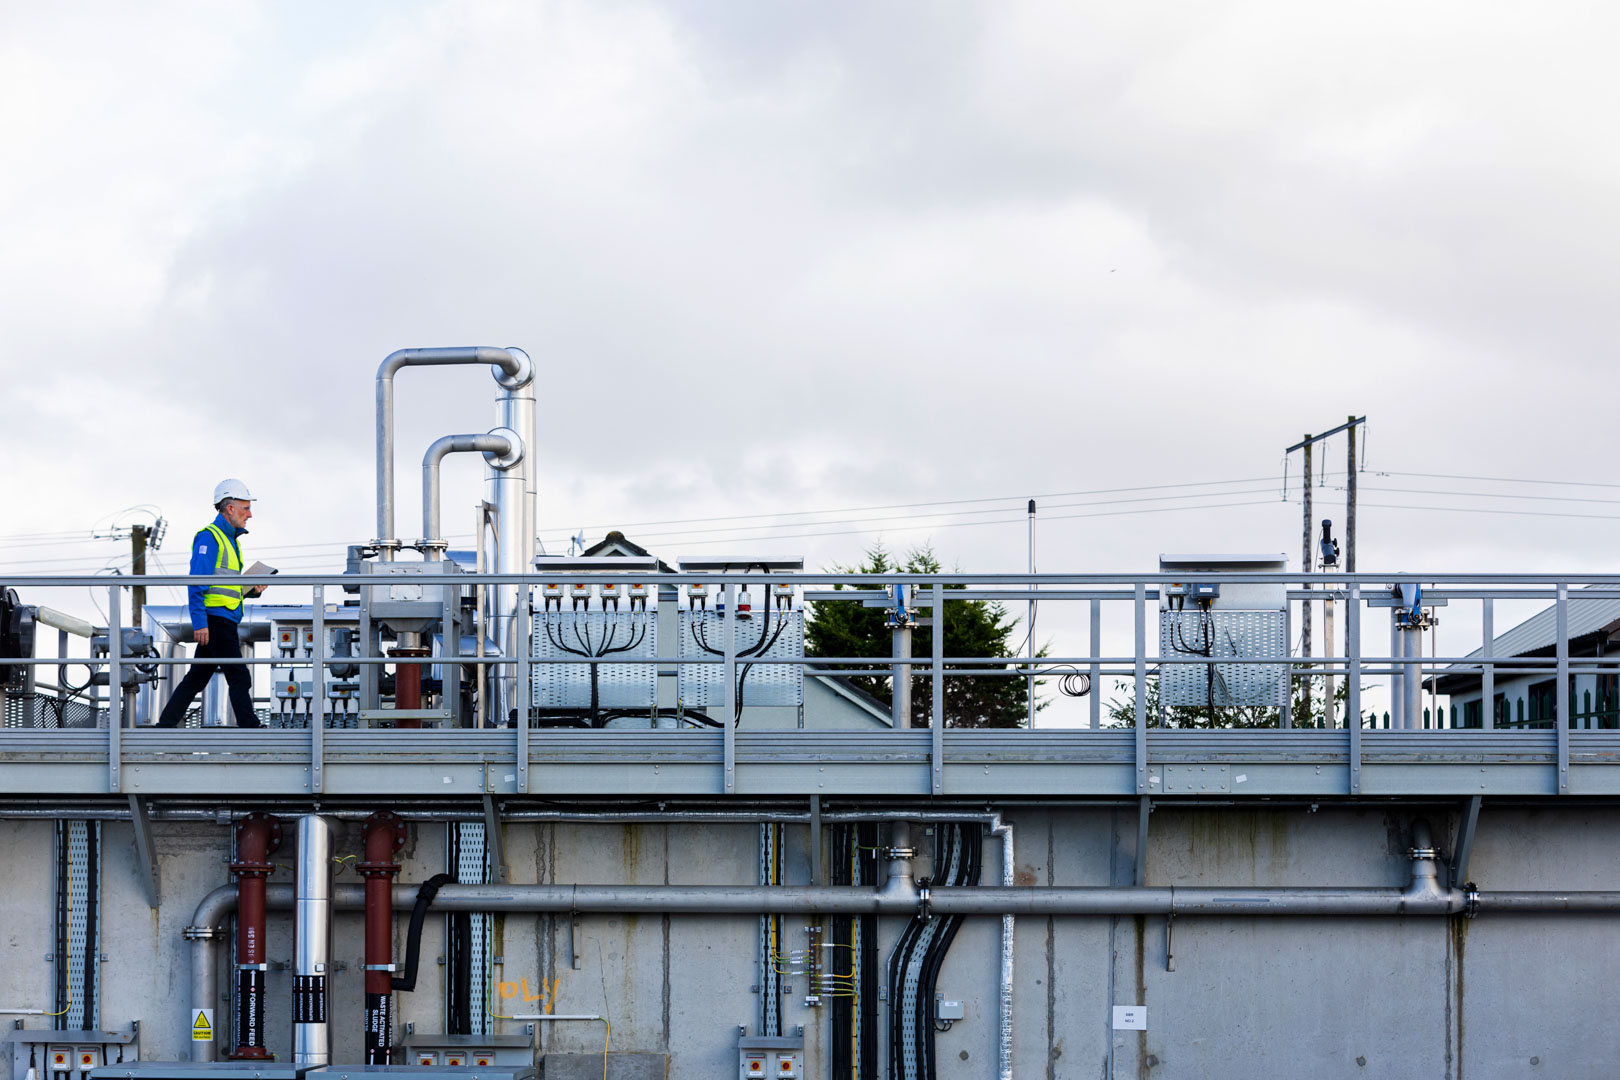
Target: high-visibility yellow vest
(228,561)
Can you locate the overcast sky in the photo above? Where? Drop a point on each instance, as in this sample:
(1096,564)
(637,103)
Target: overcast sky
(784,257)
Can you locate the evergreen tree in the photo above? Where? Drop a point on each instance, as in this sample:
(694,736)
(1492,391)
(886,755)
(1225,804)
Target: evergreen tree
(973,628)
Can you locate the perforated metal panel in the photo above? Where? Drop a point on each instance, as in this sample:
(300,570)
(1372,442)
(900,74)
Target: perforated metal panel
(80,904)
(469,848)
(47,711)
(782,634)
(595,633)
(1225,635)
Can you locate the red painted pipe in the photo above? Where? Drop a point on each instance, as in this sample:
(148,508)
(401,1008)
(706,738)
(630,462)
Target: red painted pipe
(408,685)
(383,835)
(257,838)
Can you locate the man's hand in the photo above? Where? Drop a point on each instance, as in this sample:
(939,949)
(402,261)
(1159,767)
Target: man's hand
(200,636)
(256,592)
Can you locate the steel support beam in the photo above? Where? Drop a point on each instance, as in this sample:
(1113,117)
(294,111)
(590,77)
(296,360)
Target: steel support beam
(146,852)
(1352,703)
(1465,841)
(1561,606)
(493,846)
(936,705)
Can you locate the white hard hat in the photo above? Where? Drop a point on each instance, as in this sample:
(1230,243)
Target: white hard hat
(231,489)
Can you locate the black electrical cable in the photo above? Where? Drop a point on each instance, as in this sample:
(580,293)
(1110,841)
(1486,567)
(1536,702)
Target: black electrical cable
(92,920)
(899,961)
(866,840)
(413,939)
(966,873)
(461,1007)
(63,836)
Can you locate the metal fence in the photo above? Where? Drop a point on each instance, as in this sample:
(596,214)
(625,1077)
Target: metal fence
(1317,693)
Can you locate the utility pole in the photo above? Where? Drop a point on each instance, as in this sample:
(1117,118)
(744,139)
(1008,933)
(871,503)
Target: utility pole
(1306,563)
(137,540)
(1350,499)
(1309,561)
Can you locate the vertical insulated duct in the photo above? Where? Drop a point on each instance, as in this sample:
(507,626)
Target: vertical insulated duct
(383,835)
(258,836)
(512,491)
(312,914)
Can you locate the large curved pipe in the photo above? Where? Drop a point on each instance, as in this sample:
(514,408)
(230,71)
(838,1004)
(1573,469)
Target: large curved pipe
(514,370)
(507,450)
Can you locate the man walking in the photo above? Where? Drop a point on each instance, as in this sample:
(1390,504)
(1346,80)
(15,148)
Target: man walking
(216,610)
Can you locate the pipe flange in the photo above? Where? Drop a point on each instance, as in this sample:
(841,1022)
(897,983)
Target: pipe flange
(200,933)
(382,546)
(514,453)
(1470,900)
(1421,853)
(252,967)
(252,869)
(524,375)
(382,967)
(374,869)
(426,545)
(923,910)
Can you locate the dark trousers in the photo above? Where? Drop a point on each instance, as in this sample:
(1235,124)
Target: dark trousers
(222,644)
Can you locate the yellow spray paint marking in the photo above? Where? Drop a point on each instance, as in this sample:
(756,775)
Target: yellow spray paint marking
(546,994)
(202,1025)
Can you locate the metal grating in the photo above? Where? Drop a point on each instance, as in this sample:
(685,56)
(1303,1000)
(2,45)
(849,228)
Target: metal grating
(470,869)
(80,903)
(703,685)
(300,721)
(46,710)
(1226,635)
(559,634)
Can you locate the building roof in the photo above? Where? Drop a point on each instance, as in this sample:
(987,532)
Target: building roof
(1540,631)
(1591,623)
(616,543)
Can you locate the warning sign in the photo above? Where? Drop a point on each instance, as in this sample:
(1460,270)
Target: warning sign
(202,1025)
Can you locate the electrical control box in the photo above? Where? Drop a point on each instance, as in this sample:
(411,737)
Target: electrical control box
(1223,624)
(778,1057)
(70,1055)
(432,1049)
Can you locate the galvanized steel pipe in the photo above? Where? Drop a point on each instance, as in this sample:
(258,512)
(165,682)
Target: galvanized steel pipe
(513,493)
(512,364)
(1004,1046)
(1422,897)
(506,449)
(312,920)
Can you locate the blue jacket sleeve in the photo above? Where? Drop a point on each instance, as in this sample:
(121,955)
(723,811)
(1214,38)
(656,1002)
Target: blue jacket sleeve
(204,557)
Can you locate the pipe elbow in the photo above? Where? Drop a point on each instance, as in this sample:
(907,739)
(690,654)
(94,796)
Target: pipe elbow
(213,910)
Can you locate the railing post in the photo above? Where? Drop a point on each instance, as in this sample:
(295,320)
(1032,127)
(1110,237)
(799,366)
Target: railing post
(1096,669)
(115,692)
(1562,604)
(728,622)
(936,701)
(1141,689)
(1352,700)
(1487,678)
(522,692)
(317,707)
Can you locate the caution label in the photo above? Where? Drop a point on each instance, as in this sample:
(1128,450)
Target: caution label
(202,1025)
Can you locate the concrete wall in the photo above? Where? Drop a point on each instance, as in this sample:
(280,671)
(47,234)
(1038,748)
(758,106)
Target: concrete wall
(1420,997)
